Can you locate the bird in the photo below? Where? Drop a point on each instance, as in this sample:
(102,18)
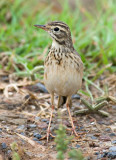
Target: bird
(63,67)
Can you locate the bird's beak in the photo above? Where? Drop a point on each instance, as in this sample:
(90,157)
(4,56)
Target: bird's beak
(44,27)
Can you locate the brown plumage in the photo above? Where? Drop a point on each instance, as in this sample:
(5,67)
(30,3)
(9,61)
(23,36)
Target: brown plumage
(63,66)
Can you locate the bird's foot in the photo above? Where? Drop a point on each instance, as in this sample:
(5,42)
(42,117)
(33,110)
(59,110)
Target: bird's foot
(73,132)
(47,136)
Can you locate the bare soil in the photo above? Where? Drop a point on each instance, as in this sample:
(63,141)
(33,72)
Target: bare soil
(24,116)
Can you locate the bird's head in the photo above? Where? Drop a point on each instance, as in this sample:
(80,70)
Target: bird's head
(59,31)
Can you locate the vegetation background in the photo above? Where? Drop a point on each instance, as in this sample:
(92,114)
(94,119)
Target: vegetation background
(92,23)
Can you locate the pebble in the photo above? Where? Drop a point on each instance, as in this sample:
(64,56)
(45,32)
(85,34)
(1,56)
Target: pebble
(112,134)
(100,122)
(44,129)
(4,78)
(81,128)
(40,87)
(114,142)
(104,154)
(77,146)
(35,139)
(99,156)
(3,122)
(27,96)
(10,93)
(107,129)
(111,155)
(39,142)
(4,146)
(32,107)
(75,96)
(96,153)
(21,127)
(22,133)
(37,135)
(32,126)
(44,120)
(93,137)
(9,151)
(114,107)
(113,148)
(37,118)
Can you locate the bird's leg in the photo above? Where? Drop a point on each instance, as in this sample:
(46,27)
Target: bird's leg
(52,104)
(73,127)
(59,98)
(48,130)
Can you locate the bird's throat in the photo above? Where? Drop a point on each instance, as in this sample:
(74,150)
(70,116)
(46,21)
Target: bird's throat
(59,47)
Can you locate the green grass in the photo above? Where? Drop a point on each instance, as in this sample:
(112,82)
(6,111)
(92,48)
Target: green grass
(94,34)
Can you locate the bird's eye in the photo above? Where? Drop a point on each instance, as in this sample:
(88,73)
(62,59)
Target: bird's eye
(56,29)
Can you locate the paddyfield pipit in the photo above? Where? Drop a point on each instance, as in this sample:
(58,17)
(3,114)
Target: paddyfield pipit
(63,66)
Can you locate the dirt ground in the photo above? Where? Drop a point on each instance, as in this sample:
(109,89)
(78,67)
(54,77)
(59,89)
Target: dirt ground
(24,116)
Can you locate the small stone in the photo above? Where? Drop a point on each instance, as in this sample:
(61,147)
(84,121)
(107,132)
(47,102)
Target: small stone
(104,154)
(111,155)
(100,122)
(92,123)
(37,135)
(9,151)
(10,93)
(114,142)
(39,142)
(3,122)
(113,148)
(99,156)
(114,107)
(33,107)
(77,146)
(107,129)
(21,127)
(105,138)
(93,137)
(75,96)
(42,125)
(44,129)
(112,134)
(81,128)
(4,146)
(96,153)
(104,151)
(32,125)
(44,120)
(37,118)
(77,127)
(22,133)
(35,139)
(27,96)
(40,87)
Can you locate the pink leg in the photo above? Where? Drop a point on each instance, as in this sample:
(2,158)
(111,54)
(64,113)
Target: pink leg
(73,127)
